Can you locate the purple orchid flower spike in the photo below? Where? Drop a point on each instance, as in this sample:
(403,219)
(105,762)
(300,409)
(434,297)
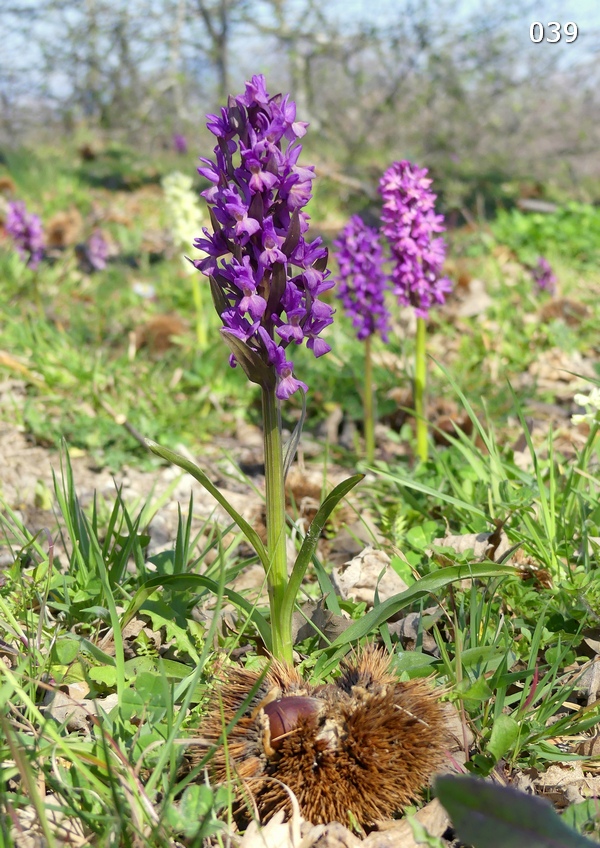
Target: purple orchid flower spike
(25,229)
(266,277)
(97,251)
(362,280)
(544,276)
(267,280)
(362,288)
(410,224)
(180,143)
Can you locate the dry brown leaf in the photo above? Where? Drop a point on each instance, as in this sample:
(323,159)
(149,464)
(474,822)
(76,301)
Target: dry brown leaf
(561,373)
(391,362)
(352,538)
(158,333)
(433,817)
(278,833)
(592,640)
(591,747)
(334,835)
(587,681)
(304,491)
(523,781)
(76,711)
(567,784)
(572,312)
(368,572)
(410,630)
(400,834)
(154,241)
(446,418)
(475,301)
(315,617)
(460,270)
(7,185)
(28,833)
(251,579)
(133,628)
(479,543)
(64,228)
(459,731)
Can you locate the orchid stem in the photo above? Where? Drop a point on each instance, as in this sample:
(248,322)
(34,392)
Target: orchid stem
(277,575)
(36,294)
(420,386)
(368,404)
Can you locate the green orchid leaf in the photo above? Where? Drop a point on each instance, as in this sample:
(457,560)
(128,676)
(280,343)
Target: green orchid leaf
(311,539)
(380,613)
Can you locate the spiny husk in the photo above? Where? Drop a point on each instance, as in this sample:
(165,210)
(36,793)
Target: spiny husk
(368,749)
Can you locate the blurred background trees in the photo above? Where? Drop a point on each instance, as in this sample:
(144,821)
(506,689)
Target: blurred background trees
(458,86)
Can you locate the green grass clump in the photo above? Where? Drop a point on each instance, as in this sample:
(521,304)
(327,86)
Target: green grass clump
(572,231)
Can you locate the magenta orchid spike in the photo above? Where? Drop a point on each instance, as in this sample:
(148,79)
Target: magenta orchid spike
(410,224)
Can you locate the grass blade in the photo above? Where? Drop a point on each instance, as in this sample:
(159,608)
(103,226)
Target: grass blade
(200,476)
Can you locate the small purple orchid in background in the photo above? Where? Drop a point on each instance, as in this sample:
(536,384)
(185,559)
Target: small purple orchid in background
(97,251)
(410,224)
(362,291)
(266,278)
(362,280)
(544,276)
(180,143)
(25,228)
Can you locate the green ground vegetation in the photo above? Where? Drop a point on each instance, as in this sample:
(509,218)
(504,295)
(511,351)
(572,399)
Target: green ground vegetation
(512,643)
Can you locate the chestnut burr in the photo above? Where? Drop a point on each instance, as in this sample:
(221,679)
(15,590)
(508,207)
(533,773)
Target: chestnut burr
(363,746)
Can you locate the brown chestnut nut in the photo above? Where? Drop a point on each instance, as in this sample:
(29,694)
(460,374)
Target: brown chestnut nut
(285,713)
